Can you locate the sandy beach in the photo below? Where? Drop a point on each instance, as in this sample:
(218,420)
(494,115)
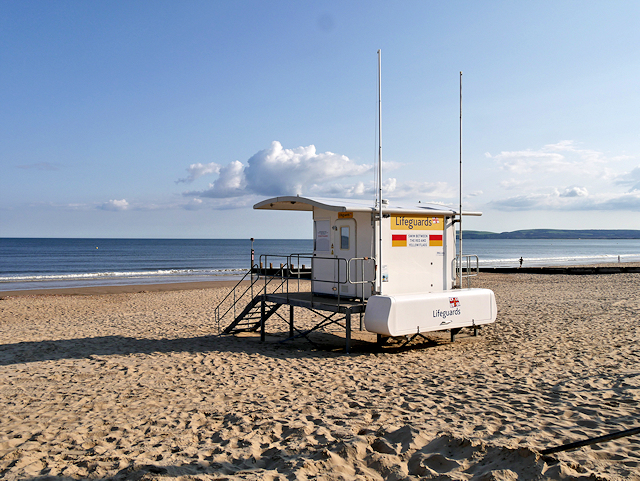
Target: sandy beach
(135,383)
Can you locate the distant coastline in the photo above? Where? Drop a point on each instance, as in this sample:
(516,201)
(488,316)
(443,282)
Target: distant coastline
(553,234)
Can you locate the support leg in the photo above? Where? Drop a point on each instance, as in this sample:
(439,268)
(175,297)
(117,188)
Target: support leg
(263,320)
(348,336)
(381,341)
(290,321)
(454,332)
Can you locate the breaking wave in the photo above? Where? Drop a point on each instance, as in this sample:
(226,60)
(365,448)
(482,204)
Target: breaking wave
(161,276)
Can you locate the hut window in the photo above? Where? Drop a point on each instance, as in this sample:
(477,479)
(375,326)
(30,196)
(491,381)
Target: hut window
(344,237)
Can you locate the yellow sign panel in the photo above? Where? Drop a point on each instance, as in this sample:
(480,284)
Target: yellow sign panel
(345,215)
(416,222)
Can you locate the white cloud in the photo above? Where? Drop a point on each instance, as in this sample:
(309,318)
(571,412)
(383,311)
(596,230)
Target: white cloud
(115,205)
(563,157)
(541,177)
(359,189)
(198,170)
(230,183)
(631,179)
(391,188)
(415,190)
(512,184)
(587,155)
(474,193)
(571,199)
(194,204)
(224,203)
(575,192)
(277,171)
(391,165)
(629,201)
(527,161)
(303,171)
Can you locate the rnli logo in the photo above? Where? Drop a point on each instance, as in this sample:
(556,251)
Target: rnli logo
(454,302)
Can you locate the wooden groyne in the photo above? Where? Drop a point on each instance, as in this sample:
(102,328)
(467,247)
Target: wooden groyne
(302,272)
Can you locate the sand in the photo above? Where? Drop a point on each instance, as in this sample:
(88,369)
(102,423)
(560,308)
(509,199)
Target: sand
(137,385)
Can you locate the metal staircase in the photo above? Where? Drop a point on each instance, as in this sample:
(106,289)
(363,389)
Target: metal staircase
(249,319)
(248,306)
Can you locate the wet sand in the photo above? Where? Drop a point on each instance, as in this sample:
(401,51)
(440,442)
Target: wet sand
(134,383)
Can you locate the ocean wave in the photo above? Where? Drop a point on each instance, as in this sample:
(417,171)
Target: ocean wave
(122,275)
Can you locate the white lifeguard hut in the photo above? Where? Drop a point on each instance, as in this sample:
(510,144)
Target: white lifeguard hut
(396,264)
(404,264)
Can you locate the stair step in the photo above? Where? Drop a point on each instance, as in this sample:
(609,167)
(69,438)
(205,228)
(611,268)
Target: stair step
(249,318)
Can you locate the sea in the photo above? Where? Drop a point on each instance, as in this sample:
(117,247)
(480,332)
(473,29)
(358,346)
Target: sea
(30,263)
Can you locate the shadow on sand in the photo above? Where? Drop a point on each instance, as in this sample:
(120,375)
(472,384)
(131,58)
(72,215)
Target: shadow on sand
(322,345)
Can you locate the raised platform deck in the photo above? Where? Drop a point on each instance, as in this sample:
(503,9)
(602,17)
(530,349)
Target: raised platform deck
(307,300)
(322,303)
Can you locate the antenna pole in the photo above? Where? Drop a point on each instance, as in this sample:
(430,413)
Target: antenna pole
(460,211)
(380,169)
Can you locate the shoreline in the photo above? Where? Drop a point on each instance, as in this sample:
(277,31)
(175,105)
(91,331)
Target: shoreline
(617,268)
(120,289)
(593,269)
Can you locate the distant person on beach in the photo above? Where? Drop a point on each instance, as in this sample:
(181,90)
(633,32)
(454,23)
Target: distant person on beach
(521,262)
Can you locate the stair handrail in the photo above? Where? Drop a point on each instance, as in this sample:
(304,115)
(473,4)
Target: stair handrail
(232,291)
(275,276)
(254,281)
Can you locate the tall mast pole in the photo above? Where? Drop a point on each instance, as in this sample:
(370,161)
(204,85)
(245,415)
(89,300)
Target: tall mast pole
(460,211)
(380,169)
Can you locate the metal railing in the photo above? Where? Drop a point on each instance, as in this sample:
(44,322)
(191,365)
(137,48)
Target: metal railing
(220,313)
(362,264)
(343,269)
(216,312)
(286,277)
(287,270)
(466,269)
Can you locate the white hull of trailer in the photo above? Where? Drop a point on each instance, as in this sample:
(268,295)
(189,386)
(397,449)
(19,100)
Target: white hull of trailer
(406,314)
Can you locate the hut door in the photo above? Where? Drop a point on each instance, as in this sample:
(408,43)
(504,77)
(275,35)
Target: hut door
(322,264)
(345,249)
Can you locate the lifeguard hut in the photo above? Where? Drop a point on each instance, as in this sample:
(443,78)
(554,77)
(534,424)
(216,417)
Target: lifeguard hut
(395,264)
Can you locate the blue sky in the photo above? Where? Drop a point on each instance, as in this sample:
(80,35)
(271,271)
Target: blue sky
(171,119)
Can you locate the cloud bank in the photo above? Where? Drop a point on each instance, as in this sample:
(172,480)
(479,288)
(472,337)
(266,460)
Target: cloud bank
(564,177)
(561,176)
(301,171)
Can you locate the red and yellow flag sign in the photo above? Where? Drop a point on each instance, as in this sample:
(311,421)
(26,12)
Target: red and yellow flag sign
(398,240)
(435,240)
